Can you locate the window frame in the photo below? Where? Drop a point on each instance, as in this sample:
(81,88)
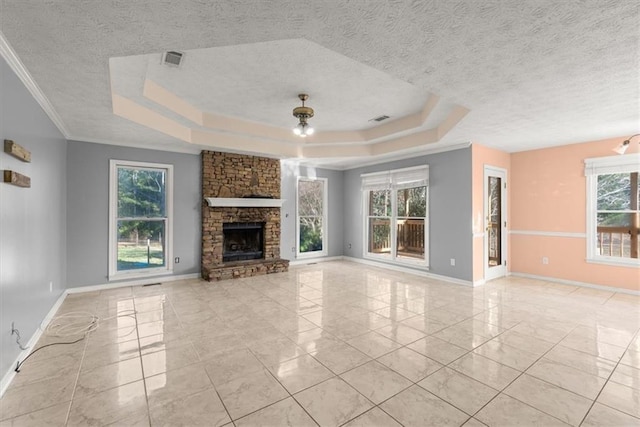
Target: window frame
(594,167)
(325,223)
(113,273)
(388,180)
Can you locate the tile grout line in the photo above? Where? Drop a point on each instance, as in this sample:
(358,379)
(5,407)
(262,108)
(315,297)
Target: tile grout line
(523,373)
(607,381)
(144,379)
(213,386)
(413,383)
(75,384)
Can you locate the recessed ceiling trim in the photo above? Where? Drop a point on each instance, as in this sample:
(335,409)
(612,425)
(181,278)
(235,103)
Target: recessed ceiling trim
(10,55)
(128,109)
(311,151)
(417,139)
(455,116)
(239,142)
(156,93)
(217,122)
(248,140)
(405,154)
(404,123)
(431,104)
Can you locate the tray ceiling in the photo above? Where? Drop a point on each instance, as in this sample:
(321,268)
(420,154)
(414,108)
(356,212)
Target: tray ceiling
(512,75)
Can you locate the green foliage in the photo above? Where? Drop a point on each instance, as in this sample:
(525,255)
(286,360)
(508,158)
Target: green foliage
(139,256)
(310,212)
(310,238)
(380,203)
(381,233)
(412,202)
(141,194)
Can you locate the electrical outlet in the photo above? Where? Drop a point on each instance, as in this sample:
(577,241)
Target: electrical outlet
(545,260)
(50,286)
(349,245)
(176,260)
(453,262)
(293,249)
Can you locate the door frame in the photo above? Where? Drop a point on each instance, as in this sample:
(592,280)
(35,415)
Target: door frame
(501,271)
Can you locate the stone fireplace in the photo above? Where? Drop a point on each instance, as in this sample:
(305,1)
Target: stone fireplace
(241,216)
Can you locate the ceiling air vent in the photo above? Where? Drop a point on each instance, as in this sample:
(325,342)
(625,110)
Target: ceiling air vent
(172,58)
(379,118)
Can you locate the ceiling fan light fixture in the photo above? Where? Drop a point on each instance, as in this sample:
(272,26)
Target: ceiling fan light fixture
(303,113)
(303,130)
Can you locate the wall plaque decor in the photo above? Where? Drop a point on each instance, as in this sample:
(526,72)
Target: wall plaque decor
(17,151)
(16,178)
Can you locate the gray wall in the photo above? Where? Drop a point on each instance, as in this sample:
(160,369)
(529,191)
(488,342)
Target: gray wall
(88,208)
(32,220)
(289,174)
(449,210)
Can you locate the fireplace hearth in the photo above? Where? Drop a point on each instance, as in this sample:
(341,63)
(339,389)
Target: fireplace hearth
(242,241)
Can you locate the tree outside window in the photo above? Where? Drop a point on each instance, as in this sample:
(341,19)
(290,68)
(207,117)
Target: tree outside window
(312,216)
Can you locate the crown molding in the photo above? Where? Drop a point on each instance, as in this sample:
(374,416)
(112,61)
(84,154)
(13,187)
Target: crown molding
(10,55)
(377,160)
(178,148)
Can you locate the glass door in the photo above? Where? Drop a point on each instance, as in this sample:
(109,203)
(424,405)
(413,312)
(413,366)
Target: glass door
(495,223)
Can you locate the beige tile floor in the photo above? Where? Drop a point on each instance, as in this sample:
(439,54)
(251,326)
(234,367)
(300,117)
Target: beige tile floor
(339,343)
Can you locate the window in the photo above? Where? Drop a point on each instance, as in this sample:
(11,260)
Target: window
(311,229)
(396,225)
(140,210)
(613,214)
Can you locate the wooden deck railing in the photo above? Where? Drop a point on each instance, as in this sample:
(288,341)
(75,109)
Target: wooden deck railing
(410,235)
(618,242)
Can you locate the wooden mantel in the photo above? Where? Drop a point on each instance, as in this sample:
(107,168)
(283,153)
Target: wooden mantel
(244,202)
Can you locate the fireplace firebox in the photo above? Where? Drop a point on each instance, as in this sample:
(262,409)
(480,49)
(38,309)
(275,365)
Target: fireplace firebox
(242,241)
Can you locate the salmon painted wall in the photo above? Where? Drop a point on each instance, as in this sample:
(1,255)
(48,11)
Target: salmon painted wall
(548,215)
(483,156)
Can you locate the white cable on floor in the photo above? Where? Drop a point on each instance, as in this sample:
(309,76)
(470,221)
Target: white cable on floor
(73,324)
(77,323)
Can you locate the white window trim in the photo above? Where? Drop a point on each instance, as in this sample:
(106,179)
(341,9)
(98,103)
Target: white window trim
(601,166)
(325,222)
(113,273)
(388,176)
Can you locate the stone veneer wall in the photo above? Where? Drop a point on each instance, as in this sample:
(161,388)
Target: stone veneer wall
(237,176)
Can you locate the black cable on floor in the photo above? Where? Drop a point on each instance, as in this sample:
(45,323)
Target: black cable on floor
(40,348)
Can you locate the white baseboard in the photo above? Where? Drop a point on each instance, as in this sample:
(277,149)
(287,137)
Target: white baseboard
(576,283)
(410,271)
(479,282)
(124,284)
(306,261)
(8,377)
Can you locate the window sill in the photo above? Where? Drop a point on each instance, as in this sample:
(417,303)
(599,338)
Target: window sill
(389,260)
(140,274)
(618,262)
(305,255)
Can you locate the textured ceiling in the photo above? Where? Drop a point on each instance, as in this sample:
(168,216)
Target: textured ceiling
(245,81)
(532,73)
